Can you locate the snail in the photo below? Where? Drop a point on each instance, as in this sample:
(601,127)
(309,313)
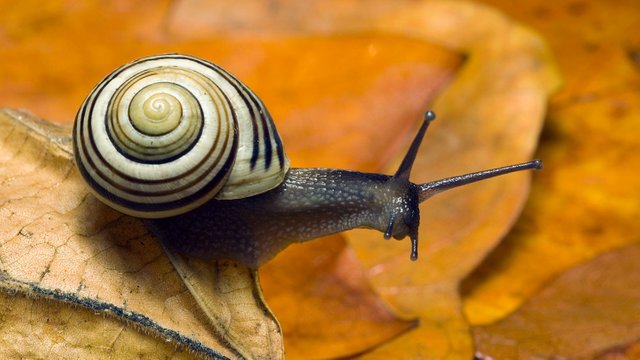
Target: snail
(182,143)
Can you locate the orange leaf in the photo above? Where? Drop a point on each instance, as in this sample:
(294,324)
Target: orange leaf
(589,312)
(324,302)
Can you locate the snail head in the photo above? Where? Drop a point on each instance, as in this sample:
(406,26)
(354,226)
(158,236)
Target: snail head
(404,197)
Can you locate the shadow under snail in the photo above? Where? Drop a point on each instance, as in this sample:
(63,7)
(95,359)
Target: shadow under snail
(182,143)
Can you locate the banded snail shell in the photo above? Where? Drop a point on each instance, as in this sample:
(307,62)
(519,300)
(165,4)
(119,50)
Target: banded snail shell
(165,134)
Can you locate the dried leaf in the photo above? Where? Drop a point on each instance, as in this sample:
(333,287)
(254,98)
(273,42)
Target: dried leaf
(590,312)
(59,243)
(230,296)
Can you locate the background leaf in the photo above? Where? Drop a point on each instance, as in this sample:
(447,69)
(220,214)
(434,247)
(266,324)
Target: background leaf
(585,202)
(590,312)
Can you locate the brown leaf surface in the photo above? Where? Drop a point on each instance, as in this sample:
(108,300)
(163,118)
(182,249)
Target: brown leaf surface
(585,202)
(590,312)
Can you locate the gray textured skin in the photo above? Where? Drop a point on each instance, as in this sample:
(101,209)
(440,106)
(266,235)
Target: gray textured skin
(310,203)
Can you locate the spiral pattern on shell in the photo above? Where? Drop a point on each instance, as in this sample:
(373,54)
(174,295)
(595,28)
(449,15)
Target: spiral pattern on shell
(164,134)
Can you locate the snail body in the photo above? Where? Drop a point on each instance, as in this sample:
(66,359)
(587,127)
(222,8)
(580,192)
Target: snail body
(309,203)
(182,143)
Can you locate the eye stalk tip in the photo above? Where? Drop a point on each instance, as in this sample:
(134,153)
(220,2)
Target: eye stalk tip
(537,164)
(429,116)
